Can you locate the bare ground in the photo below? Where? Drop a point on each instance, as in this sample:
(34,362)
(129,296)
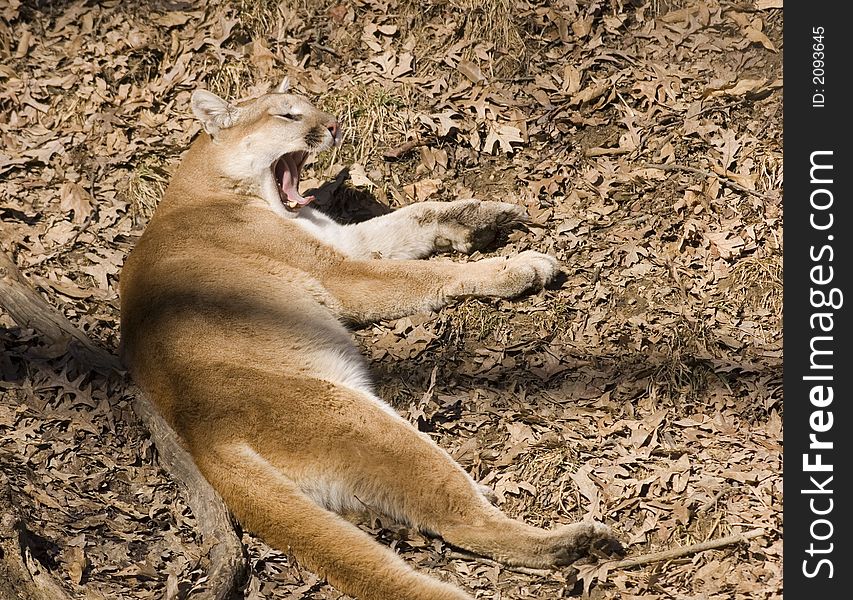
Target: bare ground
(645,389)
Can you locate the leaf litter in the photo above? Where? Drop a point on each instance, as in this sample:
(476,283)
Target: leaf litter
(645,389)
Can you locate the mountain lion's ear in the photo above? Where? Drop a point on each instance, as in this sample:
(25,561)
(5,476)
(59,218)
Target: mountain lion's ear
(213,112)
(283,87)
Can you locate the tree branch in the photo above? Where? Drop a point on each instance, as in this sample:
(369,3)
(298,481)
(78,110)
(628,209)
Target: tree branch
(29,310)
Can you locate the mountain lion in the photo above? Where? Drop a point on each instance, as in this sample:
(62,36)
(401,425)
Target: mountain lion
(234,305)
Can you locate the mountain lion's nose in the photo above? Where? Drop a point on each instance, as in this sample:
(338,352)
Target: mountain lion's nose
(334,128)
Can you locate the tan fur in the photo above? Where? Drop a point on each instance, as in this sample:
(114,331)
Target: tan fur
(232,319)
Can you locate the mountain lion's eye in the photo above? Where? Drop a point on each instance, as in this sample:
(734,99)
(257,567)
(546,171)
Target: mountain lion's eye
(288,116)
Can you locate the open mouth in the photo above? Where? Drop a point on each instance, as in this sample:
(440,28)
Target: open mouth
(287,170)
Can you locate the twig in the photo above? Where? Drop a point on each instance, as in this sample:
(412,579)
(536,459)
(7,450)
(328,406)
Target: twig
(742,7)
(593,152)
(29,309)
(595,275)
(319,46)
(711,502)
(677,278)
(674,553)
(706,173)
(396,153)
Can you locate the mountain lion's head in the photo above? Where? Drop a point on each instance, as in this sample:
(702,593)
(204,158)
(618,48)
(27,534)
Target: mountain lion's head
(263,143)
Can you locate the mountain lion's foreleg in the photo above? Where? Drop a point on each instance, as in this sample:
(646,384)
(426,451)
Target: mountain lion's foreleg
(418,230)
(369,290)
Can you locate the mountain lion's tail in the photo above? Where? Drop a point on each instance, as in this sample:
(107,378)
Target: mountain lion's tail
(268,503)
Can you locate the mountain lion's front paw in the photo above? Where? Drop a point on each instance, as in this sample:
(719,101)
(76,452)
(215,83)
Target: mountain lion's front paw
(468,225)
(528,271)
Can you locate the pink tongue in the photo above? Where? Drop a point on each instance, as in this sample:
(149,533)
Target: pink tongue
(290,182)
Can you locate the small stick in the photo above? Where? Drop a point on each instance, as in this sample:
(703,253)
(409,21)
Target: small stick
(324,49)
(395,153)
(593,152)
(674,273)
(705,173)
(673,553)
(710,503)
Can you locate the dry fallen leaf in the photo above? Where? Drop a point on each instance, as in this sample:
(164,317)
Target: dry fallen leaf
(423,189)
(756,35)
(358,177)
(502,137)
(72,197)
(470,70)
(77,564)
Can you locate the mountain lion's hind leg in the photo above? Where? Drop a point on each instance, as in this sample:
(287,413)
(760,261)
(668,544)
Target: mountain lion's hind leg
(394,469)
(418,230)
(455,508)
(266,501)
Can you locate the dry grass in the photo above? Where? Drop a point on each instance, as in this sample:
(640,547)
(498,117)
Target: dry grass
(548,468)
(144,188)
(233,79)
(493,20)
(492,23)
(683,374)
(661,7)
(258,18)
(479,319)
(373,118)
(757,283)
